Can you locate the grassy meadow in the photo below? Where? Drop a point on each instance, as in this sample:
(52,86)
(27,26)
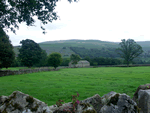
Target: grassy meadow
(18,68)
(51,86)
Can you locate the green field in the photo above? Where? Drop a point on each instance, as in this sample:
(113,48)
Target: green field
(17,68)
(49,87)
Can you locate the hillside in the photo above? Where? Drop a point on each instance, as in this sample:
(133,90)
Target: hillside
(92,48)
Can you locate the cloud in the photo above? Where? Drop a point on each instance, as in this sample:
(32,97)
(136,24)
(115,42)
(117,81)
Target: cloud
(106,20)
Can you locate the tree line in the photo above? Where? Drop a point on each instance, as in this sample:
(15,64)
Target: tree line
(93,52)
(30,54)
(12,13)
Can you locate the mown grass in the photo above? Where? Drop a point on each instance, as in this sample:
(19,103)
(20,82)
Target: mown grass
(51,86)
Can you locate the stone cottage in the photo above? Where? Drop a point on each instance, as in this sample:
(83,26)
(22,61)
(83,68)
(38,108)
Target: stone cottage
(81,63)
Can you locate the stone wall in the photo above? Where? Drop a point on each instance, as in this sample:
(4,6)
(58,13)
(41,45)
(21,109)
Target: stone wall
(123,65)
(112,102)
(23,71)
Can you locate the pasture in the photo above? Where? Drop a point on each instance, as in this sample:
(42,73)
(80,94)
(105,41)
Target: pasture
(17,68)
(51,86)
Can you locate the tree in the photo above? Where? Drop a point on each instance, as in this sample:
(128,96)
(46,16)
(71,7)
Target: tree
(43,60)
(13,12)
(129,50)
(65,62)
(74,58)
(7,55)
(87,58)
(54,60)
(29,53)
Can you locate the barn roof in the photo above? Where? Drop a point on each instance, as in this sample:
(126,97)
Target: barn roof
(82,61)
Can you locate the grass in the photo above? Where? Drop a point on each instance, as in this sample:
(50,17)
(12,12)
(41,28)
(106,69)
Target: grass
(17,68)
(49,87)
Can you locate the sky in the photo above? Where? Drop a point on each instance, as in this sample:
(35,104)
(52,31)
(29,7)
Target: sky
(105,20)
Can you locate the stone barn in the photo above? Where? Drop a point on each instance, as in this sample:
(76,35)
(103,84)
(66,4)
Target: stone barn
(81,63)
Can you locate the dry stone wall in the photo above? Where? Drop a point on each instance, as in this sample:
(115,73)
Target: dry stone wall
(112,102)
(19,102)
(23,71)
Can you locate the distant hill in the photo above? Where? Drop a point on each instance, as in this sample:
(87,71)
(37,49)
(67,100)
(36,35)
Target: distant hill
(96,48)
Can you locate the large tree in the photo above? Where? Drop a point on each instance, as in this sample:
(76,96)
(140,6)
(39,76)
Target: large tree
(29,53)
(43,60)
(54,60)
(7,55)
(129,50)
(74,59)
(13,12)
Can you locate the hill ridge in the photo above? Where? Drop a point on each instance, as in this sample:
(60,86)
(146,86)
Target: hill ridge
(81,46)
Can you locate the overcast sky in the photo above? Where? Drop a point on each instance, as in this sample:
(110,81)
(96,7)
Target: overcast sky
(106,20)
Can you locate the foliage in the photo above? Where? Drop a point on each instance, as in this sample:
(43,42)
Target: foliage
(7,55)
(129,50)
(97,61)
(14,12)
(93,52)
(103,61)
(16,63)
(95,64)
(74,58)
(29,53)
(54,60)
(65,62)
(105,49)
(43,60)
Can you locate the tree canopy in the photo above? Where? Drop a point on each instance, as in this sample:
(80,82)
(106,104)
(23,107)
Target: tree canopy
(7,55)
(13,12)
(94,52)
(129,50)
(74,58)
(43,60)
(30,53)
(54,59)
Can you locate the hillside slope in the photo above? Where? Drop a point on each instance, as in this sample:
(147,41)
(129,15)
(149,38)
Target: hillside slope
(96,48)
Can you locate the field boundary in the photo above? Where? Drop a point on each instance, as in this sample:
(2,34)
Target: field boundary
(42,69)
(24,71)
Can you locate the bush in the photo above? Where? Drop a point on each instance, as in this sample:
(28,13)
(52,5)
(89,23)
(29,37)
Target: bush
(95,64)
(54,60)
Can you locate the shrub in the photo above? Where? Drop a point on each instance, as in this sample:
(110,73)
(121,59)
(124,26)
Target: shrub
(54,59)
